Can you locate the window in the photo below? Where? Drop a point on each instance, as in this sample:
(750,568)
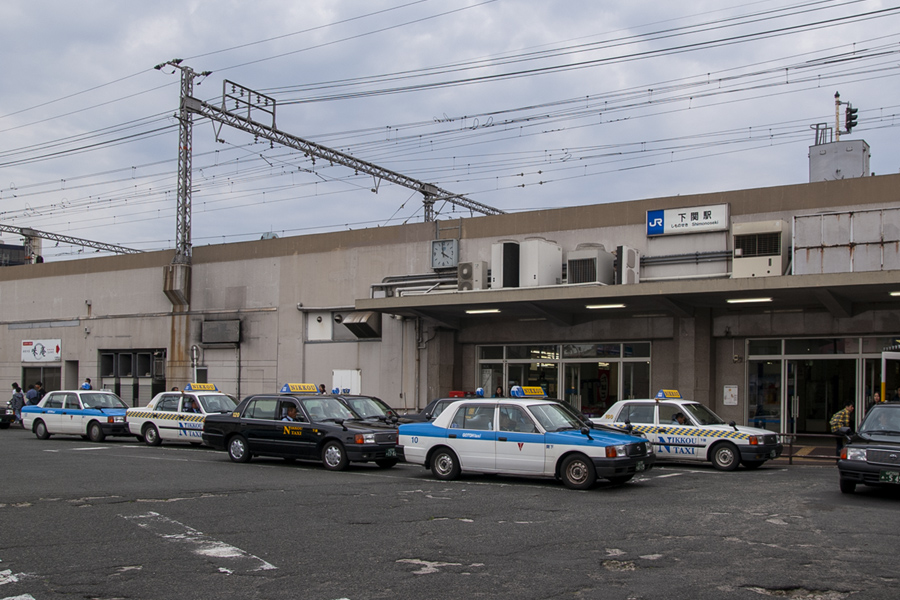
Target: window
(168,403)
(261,408)
(474,417)
(72,402)
(637,413)
(54,401)
(513,418)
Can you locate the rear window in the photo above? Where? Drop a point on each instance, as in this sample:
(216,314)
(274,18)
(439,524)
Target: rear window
(473,417)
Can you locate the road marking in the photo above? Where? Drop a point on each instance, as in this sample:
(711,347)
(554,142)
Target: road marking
(173,531)
(427,565)
(669,475)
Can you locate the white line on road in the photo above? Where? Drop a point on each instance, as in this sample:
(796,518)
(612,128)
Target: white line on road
(203,545)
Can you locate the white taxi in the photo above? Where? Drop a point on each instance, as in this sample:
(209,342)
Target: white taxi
(178,416)
(523,436)
(684,430)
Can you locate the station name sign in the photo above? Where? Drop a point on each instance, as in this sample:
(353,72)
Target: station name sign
(696,219)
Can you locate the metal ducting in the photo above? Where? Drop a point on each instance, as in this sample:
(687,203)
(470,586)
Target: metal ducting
(363,324)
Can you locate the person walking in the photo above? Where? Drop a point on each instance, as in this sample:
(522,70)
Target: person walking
(17,401)
(842,418)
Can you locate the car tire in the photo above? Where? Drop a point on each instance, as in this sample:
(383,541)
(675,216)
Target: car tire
(445,465)
(752,464)
(577,472)
(40,430)
(95,434)
(151,435)
(386,463)
(334,457)
(847,486)
(725,457)
(621,479)
(238,450)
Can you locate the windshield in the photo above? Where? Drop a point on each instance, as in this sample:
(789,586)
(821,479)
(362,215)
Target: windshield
(882,419)
(101,400)
(703,415)
(369,407)
(554,417)
(322,409)
(222,403)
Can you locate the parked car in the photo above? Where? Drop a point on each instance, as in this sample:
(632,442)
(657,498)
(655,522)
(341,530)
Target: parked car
(324,429)
(873,455)
(92,414)
(522,436)
(684,430)
(372,408)
(178,416)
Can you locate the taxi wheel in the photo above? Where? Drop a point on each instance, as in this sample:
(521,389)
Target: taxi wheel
(725,457)
(445,465)
(333,456)
(578,472)
(752,464)
(386,463)
(95,434)
(40,430)
(238,451)
(151,436)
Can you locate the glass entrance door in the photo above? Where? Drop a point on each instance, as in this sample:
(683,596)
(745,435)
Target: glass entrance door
(822,387)
(764,395)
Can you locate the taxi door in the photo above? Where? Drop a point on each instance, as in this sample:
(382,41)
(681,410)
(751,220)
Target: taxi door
(297,438)
(472,437)
(678,441)
(260,426)
(72,417)
(520,448)
(52,412)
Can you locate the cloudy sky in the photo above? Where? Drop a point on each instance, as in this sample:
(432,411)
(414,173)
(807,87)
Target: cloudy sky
(515,104)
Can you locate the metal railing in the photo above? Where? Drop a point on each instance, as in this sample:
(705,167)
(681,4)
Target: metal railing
(789,440)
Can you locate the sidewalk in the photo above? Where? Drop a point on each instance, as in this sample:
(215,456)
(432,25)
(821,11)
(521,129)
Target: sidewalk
(800,454)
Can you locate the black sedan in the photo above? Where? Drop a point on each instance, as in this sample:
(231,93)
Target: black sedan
(873,455)
(305,427)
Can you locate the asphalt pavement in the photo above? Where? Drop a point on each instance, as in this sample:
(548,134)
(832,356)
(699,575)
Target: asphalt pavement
(123,520)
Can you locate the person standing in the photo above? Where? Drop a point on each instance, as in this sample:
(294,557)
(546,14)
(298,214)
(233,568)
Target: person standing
(87,384)
(17,401)
(33,396)
(322,388)
(842,418)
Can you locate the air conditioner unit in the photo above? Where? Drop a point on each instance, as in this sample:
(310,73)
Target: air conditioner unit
(628,265)
(760,249)
(590,263)
(540,263)
(471,275)
(505,264)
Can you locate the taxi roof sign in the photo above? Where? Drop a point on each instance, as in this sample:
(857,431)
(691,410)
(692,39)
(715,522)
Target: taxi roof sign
(299,388)
(668,394)
(201,387)
(527,391)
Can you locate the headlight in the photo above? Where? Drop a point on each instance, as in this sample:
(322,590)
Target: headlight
(648,447)
(614,451)
(365,438)
(115,419)
(853,453)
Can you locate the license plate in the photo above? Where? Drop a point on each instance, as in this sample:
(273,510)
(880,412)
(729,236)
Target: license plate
(889,477)
(639,466)
(390,452)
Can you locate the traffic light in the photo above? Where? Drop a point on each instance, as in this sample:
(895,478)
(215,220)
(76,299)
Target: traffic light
(850,117)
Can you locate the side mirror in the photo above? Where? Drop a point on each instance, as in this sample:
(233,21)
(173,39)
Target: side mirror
(733,425)
(587,432)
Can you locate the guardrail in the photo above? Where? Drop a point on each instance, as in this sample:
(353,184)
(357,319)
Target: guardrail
(789,438)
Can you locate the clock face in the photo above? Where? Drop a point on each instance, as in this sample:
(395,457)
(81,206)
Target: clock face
(444,254)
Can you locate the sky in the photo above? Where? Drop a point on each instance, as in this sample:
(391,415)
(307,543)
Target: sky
(514,104)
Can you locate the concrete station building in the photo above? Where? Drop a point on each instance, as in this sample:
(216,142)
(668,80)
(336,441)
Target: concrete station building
(772,306)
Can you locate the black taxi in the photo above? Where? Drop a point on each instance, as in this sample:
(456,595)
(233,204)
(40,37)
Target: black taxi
(299,423)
